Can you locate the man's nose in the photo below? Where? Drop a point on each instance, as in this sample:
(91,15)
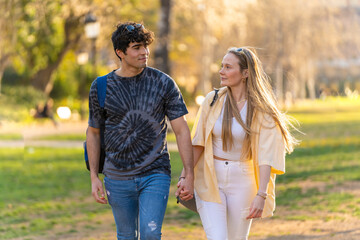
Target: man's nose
(145,51)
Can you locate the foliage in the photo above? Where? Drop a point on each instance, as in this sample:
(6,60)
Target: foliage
(73,80)
(303,43)
(23,95)
(66,78)
(293,36)
(13,76)
(40,35)
(17,101)
(44,31)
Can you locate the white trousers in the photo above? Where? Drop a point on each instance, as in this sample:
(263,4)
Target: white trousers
(237,187)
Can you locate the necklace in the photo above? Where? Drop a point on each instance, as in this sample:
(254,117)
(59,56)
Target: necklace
(243,100)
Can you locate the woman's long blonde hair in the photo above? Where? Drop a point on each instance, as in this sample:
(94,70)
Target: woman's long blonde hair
(260,97)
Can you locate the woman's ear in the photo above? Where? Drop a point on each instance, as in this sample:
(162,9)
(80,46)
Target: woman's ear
(245,73)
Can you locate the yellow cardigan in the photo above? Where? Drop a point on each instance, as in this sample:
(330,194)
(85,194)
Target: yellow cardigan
(267,146)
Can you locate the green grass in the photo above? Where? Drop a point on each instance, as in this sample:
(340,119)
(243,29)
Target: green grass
(329,155)
(11,136)
(68,137)
(63,137)
(47,191)
(48,188)
(43,188)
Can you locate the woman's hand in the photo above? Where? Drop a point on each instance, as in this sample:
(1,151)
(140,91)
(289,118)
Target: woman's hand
(256,207)
(258,203)
(185,189)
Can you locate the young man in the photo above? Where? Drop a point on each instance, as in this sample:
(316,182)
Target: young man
(137,165)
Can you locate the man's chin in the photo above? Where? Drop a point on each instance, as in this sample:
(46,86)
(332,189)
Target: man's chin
(143,65)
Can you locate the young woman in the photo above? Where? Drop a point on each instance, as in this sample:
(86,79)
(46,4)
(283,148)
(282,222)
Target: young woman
(240,140)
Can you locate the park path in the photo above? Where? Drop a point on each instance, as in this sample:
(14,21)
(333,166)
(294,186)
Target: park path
(33,132)
(54,144)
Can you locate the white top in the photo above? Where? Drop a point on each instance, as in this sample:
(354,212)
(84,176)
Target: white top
(238,135)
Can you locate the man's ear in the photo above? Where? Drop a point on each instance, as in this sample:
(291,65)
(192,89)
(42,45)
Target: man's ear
(120,53)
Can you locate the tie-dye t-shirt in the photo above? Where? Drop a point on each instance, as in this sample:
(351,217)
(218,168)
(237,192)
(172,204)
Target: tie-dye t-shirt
(135,126)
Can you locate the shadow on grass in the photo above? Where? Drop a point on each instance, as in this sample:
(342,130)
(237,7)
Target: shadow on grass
(332,235)
(326,149)
(334,173)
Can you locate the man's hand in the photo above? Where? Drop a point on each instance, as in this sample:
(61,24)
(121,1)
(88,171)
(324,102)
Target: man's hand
(97,188)
(185,189)
(186,183)
(93,146)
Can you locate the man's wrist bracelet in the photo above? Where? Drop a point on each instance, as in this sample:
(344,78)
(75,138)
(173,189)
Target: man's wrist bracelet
(181,178)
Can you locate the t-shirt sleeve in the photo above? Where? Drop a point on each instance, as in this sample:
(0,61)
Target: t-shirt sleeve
(174,103)
(94,107)
(271,146)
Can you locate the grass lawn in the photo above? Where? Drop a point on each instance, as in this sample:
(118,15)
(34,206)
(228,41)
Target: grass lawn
(10,136)
(45,192)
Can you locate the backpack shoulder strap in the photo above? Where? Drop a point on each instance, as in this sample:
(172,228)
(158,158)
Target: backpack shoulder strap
(215,97)
(101,89)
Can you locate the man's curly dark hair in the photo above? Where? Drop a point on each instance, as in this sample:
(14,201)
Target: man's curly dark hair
(129,32)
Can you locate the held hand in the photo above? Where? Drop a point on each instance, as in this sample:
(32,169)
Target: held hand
(256,207)
(185,189)
(96,188)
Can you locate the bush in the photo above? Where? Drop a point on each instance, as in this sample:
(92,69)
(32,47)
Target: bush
(16,102)
(26,96)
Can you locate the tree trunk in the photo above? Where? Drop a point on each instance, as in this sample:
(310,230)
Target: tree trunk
(42,78)
(302,76)
(291,88)
(3,63)
(311,80)
(279,82)
(161,50)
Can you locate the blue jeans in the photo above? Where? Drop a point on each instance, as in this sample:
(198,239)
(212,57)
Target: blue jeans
(138,205)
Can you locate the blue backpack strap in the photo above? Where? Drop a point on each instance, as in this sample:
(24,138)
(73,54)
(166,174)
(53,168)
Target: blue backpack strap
(101,92)
(101,89)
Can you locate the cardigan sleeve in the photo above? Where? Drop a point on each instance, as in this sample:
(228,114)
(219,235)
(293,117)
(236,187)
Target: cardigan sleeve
(271,146)
(199,128)
(198,131)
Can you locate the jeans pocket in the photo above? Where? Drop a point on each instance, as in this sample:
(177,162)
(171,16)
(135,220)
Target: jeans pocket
(248,170)
(107,189)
